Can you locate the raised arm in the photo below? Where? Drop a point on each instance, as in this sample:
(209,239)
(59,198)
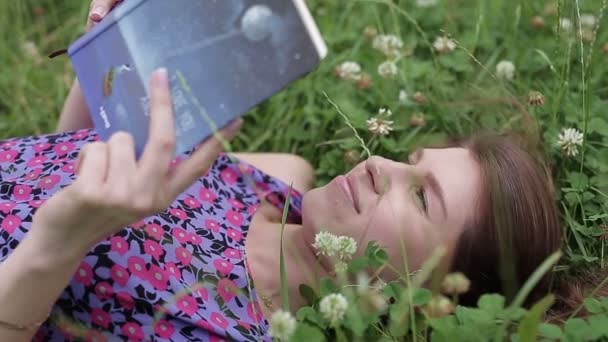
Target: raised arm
(112,190)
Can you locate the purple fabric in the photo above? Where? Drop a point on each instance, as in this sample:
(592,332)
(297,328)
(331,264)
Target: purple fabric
(179,275)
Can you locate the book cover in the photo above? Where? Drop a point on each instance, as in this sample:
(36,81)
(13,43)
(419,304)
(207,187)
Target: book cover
(223,58)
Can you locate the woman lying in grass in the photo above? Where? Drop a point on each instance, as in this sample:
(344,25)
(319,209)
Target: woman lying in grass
(95,244)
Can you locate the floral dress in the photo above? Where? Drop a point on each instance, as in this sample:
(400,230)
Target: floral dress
(177,276)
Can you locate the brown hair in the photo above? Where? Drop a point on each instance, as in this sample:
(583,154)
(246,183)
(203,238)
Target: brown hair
(516,226)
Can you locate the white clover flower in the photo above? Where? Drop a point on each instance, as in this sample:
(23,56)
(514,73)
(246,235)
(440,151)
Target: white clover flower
(384,112)
(379,126)
(282,325)
(444,44)
(388,69)
(426,3)
(349,70)
(340,267)
(333,308)
(505,70)
(326,244)
(388,44)
(404,98)
(569,140)
(565,24)
(347,246)
(588,21)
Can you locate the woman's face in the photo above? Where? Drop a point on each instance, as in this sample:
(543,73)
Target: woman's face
(408,208)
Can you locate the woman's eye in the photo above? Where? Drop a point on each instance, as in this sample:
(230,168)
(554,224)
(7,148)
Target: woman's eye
(421,194)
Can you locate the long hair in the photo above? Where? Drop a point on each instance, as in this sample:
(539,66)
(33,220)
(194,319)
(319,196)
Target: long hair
(516,225)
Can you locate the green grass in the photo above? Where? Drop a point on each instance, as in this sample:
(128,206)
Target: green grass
(463,93)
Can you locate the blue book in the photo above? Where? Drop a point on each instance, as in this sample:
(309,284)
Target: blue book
(223,57)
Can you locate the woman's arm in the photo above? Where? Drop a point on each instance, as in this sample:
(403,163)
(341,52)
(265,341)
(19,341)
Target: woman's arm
(289,168)
(33,277)
(75,114)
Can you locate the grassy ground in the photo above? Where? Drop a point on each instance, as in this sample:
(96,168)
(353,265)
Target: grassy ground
(459,91)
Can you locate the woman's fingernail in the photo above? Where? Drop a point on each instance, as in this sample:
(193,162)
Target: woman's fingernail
(159,78)
(98,12)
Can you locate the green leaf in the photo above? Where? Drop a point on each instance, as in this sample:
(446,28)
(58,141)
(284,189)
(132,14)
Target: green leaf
(421,296)
(473,316)
(309,314)
(551,331)
(578,181)
(309,333)
(308,293)
(598,125)
(529,325)
(598,327)
(491,303)
(593,305)
(327,287)
(376,255)
(576,329)
(358,264)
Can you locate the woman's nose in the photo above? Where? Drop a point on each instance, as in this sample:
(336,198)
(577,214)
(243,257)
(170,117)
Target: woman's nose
(376,168)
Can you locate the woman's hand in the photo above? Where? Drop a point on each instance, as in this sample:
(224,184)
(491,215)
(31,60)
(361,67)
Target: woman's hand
(113,189)
(99,9)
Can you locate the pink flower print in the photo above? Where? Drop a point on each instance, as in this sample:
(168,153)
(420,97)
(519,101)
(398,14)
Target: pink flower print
(36,161)
(163,329)
(219,320)
(236,204)
(33,175)
(49,182)
(119,245)
(234,234)
(119,274)
(173,270)
(158,277)
(180,214)
(192,202)
(79,135)
(212,225)
(254,311)
(203,293)
(137,267)
(234,218)
(207,195)
(223,266)
(187,304)
(181,235)
(104,290)
(132,331)
(232,253)
(252,209)
(261,186)
(227,289)
(63,148)
(101,318)
(205,325)
(183,256)
(11,223)
(69,168)
(7,207)
(125,300)
(195,238)
(37,203)
(84,274)
(244,325)
(229,175)
(95,336)
(22,192)
(215,338)
(154,231)
(8,156)
(41,147)
(9,144)
(152,248)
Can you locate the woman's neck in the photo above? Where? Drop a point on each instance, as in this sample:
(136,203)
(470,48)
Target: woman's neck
(263,248)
